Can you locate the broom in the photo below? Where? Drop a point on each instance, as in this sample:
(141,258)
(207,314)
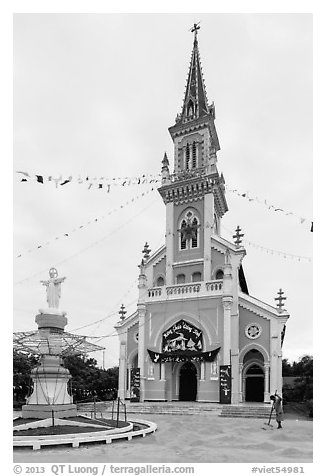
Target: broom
(270,416)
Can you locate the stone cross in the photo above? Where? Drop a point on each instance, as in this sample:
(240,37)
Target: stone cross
(280,300)
(146,251)
(238,236)
(122,312)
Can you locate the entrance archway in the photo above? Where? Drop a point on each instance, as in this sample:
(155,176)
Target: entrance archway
(254,384)
(188,382)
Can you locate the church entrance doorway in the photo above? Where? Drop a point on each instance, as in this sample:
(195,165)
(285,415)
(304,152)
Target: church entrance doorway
(255,384)
(188,382)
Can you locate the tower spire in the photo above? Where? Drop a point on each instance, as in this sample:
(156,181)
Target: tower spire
(195,104)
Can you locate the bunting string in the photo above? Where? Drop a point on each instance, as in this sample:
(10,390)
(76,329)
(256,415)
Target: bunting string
(104,183)
(272,251)
(270,206)
(85,225)
(89,246)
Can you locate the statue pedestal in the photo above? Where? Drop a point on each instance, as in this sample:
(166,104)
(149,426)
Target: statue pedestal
(45,411)
(50,394)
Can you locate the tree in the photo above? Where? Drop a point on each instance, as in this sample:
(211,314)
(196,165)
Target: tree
(88,380)
(302,389)
(22,367)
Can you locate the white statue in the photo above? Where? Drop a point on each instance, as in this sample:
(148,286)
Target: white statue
(53,288)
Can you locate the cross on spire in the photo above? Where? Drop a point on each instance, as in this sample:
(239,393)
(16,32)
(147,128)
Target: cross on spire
(195,29)
(280,300)
(238,236)
(122,312)
(146,251)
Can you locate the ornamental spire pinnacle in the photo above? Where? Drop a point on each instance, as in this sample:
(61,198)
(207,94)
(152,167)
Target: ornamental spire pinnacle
(195,104)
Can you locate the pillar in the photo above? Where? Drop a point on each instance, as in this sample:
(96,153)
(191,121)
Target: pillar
(122,371)
(169,243)
(141,349)
(266,383)
(227,304)
(208,226)
(240,383)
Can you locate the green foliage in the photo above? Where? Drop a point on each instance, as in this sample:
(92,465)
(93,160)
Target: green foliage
(302,389)
(22,384)
(89,381)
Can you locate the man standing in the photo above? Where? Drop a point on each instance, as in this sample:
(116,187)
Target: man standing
(277,402)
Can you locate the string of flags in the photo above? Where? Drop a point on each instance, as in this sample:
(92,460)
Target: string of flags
(272,251)
(104,183)
(270,206)
(85,225)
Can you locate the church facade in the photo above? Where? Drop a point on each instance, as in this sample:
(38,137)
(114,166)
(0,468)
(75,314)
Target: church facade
(197,333)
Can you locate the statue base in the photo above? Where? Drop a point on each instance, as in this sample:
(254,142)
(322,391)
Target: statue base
(49,320)
(45,411)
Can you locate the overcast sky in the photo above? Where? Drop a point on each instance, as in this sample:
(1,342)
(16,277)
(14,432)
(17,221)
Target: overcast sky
(94,95)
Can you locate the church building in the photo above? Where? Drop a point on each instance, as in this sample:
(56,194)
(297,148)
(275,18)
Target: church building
(197,333)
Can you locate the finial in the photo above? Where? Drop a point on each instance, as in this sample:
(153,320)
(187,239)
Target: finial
(165,161)
(141,265)
(194,30)
(122,312)
(238,237)
(146,251)
(280,300)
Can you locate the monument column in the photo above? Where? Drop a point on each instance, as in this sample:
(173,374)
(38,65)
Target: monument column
(50,377)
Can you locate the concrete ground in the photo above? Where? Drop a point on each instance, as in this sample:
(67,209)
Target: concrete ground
(200,438)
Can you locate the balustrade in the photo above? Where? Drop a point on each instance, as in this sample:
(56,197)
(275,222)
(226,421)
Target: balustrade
(186,289)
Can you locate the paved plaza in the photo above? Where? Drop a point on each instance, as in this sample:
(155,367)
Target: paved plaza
(204,438)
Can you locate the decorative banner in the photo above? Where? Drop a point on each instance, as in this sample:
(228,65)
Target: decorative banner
(135,385)
(283,335)
(182,336)
(183,356)
(225,384)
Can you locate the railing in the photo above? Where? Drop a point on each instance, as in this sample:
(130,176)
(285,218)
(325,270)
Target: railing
(188,174)
(215,285)
(183,289)
(154,292)
(187,289)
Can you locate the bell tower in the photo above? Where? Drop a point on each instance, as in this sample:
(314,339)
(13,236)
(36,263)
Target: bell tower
(194,193)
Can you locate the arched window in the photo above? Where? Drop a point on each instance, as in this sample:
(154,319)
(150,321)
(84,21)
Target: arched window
(194,155)
(160,281)
(181,279)
(219,274)
(183,239)
(187,157)
(194,238)
(190,112)
(196,276)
